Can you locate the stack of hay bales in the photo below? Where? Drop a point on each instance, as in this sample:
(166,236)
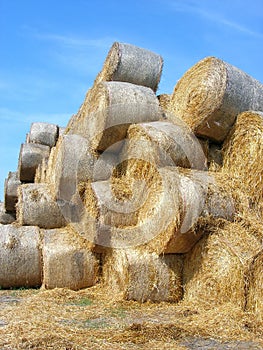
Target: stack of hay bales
(147,186)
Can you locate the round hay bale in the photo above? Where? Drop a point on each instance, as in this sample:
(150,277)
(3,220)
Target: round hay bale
(142,276)
(43,133)
(30,156)
(5,218)
(163,143)
(10,191)
(215,157)
(211,94)
(61,131)
(112,107)
(68,261)
(36,207)
(20,256)
(132,64)
(41,172)
(214,270)
(164,101)
(255,290)
(243,154)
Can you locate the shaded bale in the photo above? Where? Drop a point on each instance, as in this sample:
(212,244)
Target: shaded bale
(142,276)
(164,101)
(43,133)
(255,291)
(215,157)
(20,257)
(41,171)
(163,143)
(132,64)
(110,108)
(12,183)
(30,156)
(6,218)
(211,94)
(68,261)
(243,154)
(36,207)
(215,269)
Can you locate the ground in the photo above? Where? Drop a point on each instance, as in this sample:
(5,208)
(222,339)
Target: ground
(90,319)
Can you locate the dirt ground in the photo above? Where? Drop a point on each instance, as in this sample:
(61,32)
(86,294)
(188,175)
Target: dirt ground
(88,319)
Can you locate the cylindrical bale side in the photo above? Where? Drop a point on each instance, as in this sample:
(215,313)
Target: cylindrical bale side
(61,131)
(12,183)
(20,256)
(36,207)
(164,101)
(215,269)
(132,64)
(68,261)
(43,133)
(31,155)
(164,144)
(113,106)
(142,276)
(255,291)
(6,218)
(41,171)
(243,154)
(211,94)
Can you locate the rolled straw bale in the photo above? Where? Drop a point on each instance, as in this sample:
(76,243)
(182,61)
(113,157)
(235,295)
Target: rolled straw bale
(20,256)
(243,154)
(214,270)
(112,107)
(68,261)
(30,156)
(12,183)
(215,157)
(255,283)
(161,215)
(164,101)
(164,144)
(36,207)
(5,218)
(43,133)
(211,94)
(142,276)
(61,130)
(41,172)
(132,64)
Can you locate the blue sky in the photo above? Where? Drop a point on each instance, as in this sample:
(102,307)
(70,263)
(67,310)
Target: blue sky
(51,51)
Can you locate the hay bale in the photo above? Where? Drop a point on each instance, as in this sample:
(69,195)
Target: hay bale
(132,64)
(163,143)
(30,156)
(243,154)
(5,218)
(12,183)
(43,133)
(41,172)
(142,276)
(215,157)
(61,131)
(214,270)
(211,94)
(110,108)
(68,261)
(161,215)
(164,101)
(36,207)
(255,290)
(20,256)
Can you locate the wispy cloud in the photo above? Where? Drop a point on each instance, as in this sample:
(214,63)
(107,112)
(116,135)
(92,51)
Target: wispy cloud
(197,8)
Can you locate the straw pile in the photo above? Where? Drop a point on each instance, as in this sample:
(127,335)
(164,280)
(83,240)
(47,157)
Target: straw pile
(111,108)
(243,154)
(30,156)
(255,290)
(68,261)
(142,276)
(215,269)
(132,64)
(36,207)
(10,190)
(5,218)
(43,133)
(211,94)
(20,256)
